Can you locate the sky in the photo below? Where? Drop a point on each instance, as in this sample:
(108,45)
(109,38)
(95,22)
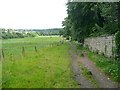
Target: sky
(32,14)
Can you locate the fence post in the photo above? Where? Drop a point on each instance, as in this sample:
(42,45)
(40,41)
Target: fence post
(35,49)
(2,54)
(23,51)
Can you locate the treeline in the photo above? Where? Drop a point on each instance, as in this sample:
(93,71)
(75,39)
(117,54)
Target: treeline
(44,32)
(10,35)
(22,33)
(89,19)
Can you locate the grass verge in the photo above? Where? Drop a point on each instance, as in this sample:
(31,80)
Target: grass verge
(107,65)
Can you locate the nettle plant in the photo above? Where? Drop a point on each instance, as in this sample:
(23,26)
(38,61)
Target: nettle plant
(117,43)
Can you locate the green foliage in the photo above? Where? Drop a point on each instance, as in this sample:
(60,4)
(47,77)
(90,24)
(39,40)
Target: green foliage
(47,32)
(90,19)
(117,57)
(20,35)
(117,43)
(7,35)
(31,35)
(10,33)
(109,66)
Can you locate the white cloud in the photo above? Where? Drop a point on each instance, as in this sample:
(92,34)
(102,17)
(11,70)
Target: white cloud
(32,13)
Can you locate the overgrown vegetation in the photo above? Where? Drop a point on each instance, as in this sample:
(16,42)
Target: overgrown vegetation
(117,57)
(117,43)
(86,19)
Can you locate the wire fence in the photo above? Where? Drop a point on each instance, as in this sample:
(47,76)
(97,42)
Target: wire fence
(7,52)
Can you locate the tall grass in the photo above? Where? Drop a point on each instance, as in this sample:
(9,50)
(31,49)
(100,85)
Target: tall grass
(49,67)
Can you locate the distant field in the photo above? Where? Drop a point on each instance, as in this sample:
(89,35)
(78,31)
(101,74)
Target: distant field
(14,46)
(48,67)
(50,36)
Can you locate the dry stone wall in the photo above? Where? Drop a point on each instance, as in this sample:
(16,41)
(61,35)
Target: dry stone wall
(102,45)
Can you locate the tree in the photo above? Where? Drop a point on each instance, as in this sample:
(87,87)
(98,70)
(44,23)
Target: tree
(90,19)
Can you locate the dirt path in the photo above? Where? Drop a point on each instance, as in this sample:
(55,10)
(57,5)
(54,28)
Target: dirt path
(100,77)
(83,82)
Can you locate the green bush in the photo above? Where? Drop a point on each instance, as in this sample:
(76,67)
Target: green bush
(117,43)
(117,57)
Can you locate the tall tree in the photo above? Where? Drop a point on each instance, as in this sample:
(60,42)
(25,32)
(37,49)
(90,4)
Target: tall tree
(90,19)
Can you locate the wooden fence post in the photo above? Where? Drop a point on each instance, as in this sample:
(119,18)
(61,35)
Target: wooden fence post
(23,51)
(2,54)
(35,49)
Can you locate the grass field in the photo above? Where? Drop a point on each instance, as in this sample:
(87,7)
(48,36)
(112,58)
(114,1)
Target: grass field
(14,46)
(48,67)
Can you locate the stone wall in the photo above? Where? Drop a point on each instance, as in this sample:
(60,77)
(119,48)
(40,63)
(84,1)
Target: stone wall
(102,45)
